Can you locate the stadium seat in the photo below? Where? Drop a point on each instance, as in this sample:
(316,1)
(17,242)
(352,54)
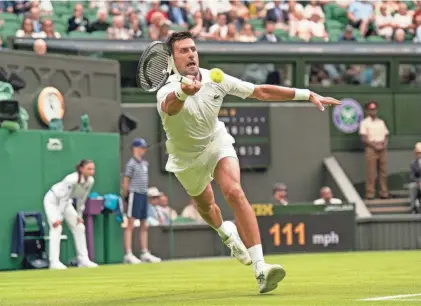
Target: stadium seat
(99,35)
(281,33)
(328,10)
(335,34)
(63,10)
(340,14)
(8,17)
(293,39)
(256,23)
(61,28)
(409,36)
(374,38)
(317,39)
(333,24)
(77,34)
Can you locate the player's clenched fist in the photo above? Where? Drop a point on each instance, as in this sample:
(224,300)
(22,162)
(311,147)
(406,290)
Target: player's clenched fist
(191,90)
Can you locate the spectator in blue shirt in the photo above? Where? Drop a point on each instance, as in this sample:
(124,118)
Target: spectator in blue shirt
(6,6)
(360,15)
(178,15)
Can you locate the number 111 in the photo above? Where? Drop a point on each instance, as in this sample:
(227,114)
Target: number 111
(288,231)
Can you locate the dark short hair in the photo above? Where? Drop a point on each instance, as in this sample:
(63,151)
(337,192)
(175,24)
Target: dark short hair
(177,36)
(371,105)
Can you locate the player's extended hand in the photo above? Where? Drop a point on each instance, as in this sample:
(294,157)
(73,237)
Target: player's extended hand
(56,224)
(319,101)
(191,89)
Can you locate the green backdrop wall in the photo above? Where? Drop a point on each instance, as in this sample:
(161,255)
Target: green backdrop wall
(28,168)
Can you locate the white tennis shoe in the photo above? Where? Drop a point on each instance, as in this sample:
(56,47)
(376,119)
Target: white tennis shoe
(131,259)
(86,263)
(57,266)
(236,245)
(148,257)
(268,276)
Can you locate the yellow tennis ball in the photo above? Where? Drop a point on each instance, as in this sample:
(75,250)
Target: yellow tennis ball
(216,75)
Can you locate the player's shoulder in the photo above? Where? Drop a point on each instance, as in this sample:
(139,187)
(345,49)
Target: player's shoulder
(72,177)
(130,162)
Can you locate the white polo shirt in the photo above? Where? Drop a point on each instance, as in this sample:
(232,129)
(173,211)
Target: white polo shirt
(70,188)
(322,201)
(191,131)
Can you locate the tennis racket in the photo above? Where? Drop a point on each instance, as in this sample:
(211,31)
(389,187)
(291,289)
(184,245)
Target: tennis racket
(155,66)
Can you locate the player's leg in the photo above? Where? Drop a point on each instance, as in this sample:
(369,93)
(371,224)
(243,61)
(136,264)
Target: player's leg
(79,236)
(132,211)
(196,181)
(54,218)
(209,210)
(142,201)
(227,175)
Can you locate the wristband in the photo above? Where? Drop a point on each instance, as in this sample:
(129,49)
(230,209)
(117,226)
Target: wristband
(302,94)
(180,95)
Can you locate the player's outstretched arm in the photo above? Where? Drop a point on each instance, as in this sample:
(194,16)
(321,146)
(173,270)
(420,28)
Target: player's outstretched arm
(279,93)
(174,101)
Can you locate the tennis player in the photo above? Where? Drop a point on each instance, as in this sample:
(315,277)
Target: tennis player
(200,149)
(58,205)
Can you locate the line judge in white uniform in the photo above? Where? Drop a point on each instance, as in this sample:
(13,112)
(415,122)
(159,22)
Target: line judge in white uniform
(58,205)
(200,150)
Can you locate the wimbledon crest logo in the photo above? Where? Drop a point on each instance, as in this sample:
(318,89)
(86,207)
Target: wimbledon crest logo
(347,116)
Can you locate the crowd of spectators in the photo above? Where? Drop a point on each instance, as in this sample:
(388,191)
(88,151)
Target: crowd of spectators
(220,20)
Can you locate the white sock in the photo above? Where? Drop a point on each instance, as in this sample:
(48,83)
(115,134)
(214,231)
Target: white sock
(256,254)
(223,231)
(129,252)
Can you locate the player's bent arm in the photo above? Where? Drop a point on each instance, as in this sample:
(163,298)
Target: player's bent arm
(279,93)
(172,105)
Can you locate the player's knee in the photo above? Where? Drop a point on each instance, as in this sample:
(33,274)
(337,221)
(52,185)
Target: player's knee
(204,208)
(130,224)
(56,230)
(233,193)
(143,225)
(80,228)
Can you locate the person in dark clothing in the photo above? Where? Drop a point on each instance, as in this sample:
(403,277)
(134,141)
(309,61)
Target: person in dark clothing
(415,185)
(269,35)
(101,23)
(78,22)
(277,14)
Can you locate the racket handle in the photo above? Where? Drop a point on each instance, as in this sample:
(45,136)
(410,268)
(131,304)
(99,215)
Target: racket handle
(184,80)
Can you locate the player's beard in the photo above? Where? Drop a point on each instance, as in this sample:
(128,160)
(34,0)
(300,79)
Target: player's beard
(194,71)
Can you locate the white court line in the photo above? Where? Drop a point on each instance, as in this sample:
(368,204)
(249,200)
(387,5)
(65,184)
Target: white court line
(392,297)
(409,300)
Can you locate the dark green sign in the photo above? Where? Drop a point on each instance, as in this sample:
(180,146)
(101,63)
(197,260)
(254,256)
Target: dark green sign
(306,228)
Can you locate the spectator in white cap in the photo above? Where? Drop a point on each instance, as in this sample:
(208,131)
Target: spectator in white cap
(280,194)
(415,185)
(134,191)
(155,212)
(326,197)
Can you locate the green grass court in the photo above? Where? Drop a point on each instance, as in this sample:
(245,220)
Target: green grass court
(312,279)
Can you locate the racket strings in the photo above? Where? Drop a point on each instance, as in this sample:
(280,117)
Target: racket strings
(153,70)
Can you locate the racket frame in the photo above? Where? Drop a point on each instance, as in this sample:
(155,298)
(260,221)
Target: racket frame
(171,67)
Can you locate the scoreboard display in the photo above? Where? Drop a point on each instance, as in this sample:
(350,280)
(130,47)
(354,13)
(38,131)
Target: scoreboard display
(306,228)
(249,126)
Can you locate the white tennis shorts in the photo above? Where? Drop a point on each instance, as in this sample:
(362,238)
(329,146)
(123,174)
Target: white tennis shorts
(199,174)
